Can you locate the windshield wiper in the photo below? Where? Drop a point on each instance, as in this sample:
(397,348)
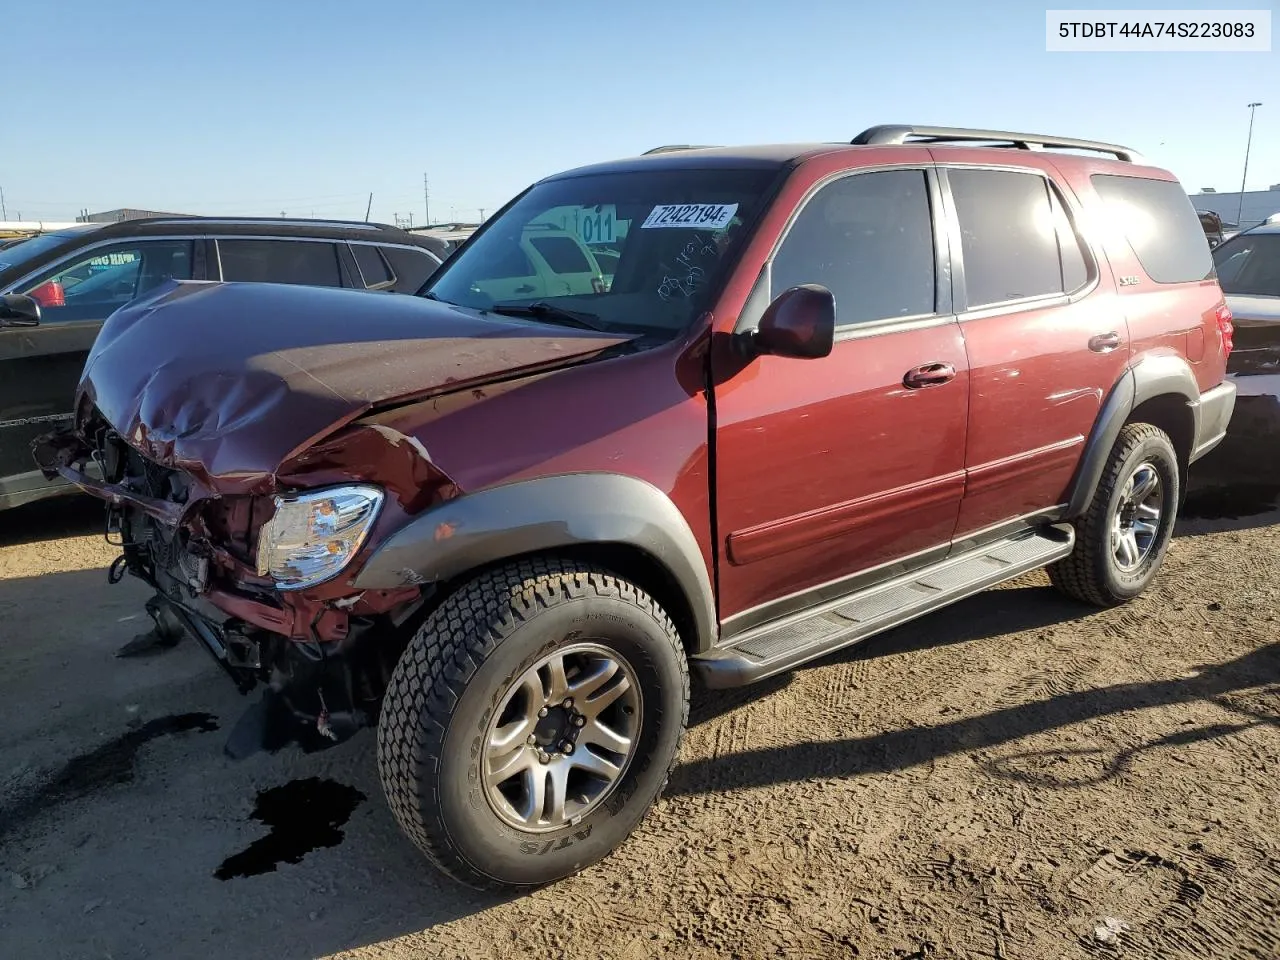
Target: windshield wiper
(541,310)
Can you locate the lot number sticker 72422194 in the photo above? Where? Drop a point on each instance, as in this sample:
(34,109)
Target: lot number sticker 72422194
(699,216)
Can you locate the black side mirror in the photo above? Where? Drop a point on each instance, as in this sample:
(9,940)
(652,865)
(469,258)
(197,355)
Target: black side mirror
(800,323)
(18,310)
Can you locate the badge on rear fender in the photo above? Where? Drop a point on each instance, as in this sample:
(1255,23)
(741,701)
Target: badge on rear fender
(1128,281)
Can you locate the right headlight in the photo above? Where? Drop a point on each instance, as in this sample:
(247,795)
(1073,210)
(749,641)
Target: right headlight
(312,536)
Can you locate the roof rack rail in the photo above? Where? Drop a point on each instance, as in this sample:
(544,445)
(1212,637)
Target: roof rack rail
(671,148)
(900,133)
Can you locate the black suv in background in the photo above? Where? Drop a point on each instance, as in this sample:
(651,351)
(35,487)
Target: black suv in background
(80,275)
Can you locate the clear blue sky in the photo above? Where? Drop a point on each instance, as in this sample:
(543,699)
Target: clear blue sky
(257,107)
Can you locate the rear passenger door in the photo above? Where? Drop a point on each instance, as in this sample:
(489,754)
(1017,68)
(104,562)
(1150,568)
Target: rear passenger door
(1045,336)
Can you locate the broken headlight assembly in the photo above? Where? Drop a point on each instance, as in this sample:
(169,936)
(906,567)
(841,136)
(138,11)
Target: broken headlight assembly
(312,536)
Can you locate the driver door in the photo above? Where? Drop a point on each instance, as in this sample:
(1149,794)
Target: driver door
(830,472)
(40,366)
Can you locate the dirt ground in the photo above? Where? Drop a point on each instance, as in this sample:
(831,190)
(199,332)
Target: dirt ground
(1019,777)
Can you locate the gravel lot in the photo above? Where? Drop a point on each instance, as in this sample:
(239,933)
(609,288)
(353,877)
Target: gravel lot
(1018,777)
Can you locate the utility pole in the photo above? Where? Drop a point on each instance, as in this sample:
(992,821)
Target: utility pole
(4,212)
(482,214)
(1247,144)
(426,201)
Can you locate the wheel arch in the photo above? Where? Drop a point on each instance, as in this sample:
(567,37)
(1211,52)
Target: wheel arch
(1160,390)
(619,523)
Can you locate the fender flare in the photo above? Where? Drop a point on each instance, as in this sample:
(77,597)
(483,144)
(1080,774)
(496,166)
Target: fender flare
(1150,377)
(543,514)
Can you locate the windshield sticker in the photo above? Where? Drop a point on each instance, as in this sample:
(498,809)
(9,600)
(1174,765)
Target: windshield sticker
(700,216)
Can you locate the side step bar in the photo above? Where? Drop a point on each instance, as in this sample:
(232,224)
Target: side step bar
(787,643)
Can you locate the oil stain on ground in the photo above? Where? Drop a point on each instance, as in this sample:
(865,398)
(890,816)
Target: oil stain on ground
(110,764)
(304,815)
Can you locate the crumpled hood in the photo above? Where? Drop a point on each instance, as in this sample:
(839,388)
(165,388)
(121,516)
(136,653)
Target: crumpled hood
(229,381)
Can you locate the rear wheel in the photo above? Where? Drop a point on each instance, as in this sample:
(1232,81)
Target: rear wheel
(532,722)
(1122,538)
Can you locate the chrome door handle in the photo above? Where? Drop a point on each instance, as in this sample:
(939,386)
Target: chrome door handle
(929,375)
(1104,342)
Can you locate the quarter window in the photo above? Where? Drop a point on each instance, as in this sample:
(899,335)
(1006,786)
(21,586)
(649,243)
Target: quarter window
(868,238)
(373,268)
(1161,225)
(412,267)
(306,262)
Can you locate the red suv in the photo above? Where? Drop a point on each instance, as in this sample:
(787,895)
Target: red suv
(824,390)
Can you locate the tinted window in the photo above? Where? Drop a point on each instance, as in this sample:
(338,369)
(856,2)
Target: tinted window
(412,267)
(106,278)
(1249,265)
(867,238)
(372,267)
(561,253)
(15,254)
(1161,225)
(280,261)
(1007,235)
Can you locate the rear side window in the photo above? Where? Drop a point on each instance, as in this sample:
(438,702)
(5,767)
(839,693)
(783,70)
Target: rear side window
(308,262)
(561,253)
(412,267)
(1161,225)
(373,268)
(1008,236)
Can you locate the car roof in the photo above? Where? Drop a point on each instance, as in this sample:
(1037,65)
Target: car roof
(257,226)
(953,143)
(83,235)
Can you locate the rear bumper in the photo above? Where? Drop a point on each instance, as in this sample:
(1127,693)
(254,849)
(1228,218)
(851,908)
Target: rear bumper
(1216,406)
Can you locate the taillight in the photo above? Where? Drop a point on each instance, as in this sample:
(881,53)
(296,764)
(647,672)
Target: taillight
(1226,328)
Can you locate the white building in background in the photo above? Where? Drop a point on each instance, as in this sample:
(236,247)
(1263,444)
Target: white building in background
(1258,205)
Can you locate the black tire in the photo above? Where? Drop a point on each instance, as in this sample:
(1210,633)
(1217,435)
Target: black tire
(444,691)
(1092,573)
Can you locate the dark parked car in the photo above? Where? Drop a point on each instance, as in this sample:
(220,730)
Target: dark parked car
(1249,271)
(79,275)
(828,389)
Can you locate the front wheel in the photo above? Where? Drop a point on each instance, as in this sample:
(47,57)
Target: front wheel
(1122,538)
(532,722)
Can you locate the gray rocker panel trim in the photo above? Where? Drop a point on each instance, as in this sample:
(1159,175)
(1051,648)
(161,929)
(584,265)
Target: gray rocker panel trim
(544,514)
(1148,378)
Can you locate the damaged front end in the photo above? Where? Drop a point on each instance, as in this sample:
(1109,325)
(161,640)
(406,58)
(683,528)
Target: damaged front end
(323,652)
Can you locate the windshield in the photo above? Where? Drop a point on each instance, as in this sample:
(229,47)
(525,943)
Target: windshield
(29,249)
(1249,265)
(637,252)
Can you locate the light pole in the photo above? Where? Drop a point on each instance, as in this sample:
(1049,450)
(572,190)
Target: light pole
(1247,144)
